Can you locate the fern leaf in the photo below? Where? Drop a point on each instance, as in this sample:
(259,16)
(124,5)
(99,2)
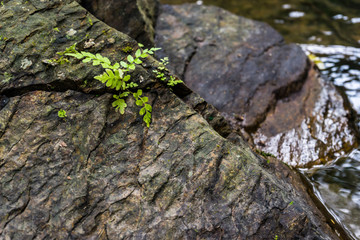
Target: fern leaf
(116,66)
(130,59)
(139,102)
(148,107)
(76,55)
(87,54)
(118,85)
(86,60)
(105,65)
(145,99)
(138,53)
(144,55)
(124,64)
(137,61)
(119,74)
(120,105)
(127,78)
(132,66)
(147,119)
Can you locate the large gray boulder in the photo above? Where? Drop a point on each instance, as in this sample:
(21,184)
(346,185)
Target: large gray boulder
(268,89)
(97,174)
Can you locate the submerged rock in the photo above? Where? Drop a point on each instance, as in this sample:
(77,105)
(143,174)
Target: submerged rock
(97,174)
(266,88)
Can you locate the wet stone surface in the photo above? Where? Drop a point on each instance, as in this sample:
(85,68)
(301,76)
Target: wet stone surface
(312,124)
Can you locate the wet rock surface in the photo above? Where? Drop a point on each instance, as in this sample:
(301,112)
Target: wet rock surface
(134,18)
(269,90)
(97,174)
(312,124)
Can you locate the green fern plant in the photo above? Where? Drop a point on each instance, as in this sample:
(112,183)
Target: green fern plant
(117,76)
(62,113)
(162,72)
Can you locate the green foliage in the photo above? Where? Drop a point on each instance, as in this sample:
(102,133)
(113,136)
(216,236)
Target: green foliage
(7,76)
(173,81)
(276,237)
(117,76)
(90,21)
(162,72)
(62,59)
(3,38)
(127,49)
(264,154)
(62,113)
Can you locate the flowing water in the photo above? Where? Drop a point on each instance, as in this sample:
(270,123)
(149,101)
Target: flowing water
(329,29)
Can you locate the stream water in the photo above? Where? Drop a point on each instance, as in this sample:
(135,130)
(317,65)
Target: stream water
(329,29)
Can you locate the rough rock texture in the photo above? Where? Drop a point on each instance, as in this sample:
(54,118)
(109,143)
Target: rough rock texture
(100,175)
(262,85)
(134,17)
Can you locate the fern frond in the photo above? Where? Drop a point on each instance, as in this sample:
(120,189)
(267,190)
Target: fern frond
(113,77)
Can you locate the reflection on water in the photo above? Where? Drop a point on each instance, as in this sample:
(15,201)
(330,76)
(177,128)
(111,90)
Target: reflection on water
(338,186)
(342,67)
(329,29)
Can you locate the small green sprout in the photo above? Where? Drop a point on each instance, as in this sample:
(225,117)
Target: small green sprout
(264,154)
(291,203)
(7,76)
(90,21)
(276,237)
(161,73)
(62,113)
(127,49)
(173,81)
(56,29)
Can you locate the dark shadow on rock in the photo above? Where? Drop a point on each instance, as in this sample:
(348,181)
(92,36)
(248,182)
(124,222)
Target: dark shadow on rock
(136,18)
